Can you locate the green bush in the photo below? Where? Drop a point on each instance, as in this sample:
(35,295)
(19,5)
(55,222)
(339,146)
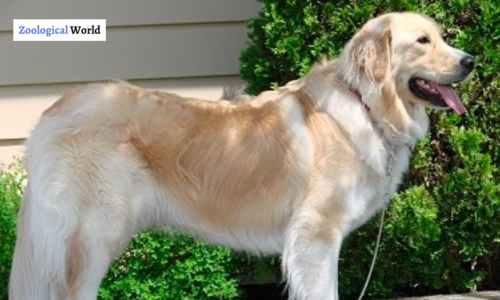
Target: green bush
(442,232)
(11,187)
(161,266)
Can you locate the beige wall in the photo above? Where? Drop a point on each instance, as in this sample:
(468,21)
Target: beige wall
(190,47)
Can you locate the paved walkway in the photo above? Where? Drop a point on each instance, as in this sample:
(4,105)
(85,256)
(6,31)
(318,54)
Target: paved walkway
(491,295)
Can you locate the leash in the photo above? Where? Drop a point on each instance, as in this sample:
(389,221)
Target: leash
(374,255)
(387,196)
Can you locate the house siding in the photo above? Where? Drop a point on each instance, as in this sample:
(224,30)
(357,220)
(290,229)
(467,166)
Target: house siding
(189,47)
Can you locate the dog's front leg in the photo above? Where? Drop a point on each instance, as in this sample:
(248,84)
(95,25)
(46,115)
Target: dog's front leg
(310,258)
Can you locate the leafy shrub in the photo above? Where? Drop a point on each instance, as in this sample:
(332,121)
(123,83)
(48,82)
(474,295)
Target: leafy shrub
(161,266)
(442,232)
(11,186)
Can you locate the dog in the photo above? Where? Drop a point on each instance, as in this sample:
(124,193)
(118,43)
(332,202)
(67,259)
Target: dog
(291,171)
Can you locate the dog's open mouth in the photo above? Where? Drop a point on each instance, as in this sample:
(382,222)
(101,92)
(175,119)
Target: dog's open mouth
(441,95)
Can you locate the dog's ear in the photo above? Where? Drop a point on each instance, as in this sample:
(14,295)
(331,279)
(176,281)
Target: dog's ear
(371,53)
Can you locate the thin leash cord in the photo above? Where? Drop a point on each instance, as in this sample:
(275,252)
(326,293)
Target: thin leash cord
(387,196)
(374,255)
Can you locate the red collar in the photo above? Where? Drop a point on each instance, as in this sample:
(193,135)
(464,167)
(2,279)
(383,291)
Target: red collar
(360,98)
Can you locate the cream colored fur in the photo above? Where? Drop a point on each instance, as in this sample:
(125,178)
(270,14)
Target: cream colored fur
(291,171)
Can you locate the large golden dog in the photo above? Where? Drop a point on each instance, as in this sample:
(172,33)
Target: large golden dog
(290,171)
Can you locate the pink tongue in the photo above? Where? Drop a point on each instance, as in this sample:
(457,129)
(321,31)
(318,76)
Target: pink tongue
(451,98)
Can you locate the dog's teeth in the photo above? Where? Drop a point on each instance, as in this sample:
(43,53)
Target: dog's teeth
(427,85)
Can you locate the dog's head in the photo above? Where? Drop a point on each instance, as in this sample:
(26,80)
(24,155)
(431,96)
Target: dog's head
(407,50)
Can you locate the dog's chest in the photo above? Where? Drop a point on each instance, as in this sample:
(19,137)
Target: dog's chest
(373,191)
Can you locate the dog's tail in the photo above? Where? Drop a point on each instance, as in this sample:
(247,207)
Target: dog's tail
(44,257)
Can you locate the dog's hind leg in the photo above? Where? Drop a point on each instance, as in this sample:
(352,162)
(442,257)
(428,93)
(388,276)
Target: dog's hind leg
(310,257)
(102,243)
(44,226)
(63,248)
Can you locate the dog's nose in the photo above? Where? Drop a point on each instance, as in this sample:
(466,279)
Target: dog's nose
(468,63)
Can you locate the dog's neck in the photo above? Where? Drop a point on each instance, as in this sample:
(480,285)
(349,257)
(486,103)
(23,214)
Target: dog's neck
(394,126)
(401,122)
(360,98)
(387,136)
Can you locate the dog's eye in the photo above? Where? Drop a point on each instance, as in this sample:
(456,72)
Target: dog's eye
(423,40)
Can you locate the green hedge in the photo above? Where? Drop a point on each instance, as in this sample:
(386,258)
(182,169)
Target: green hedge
(161,266)
(11,188)
(443,229)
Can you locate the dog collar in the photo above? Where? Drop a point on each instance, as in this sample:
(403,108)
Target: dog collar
(360,98)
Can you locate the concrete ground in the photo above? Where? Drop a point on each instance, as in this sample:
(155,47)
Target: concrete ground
(490,295)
